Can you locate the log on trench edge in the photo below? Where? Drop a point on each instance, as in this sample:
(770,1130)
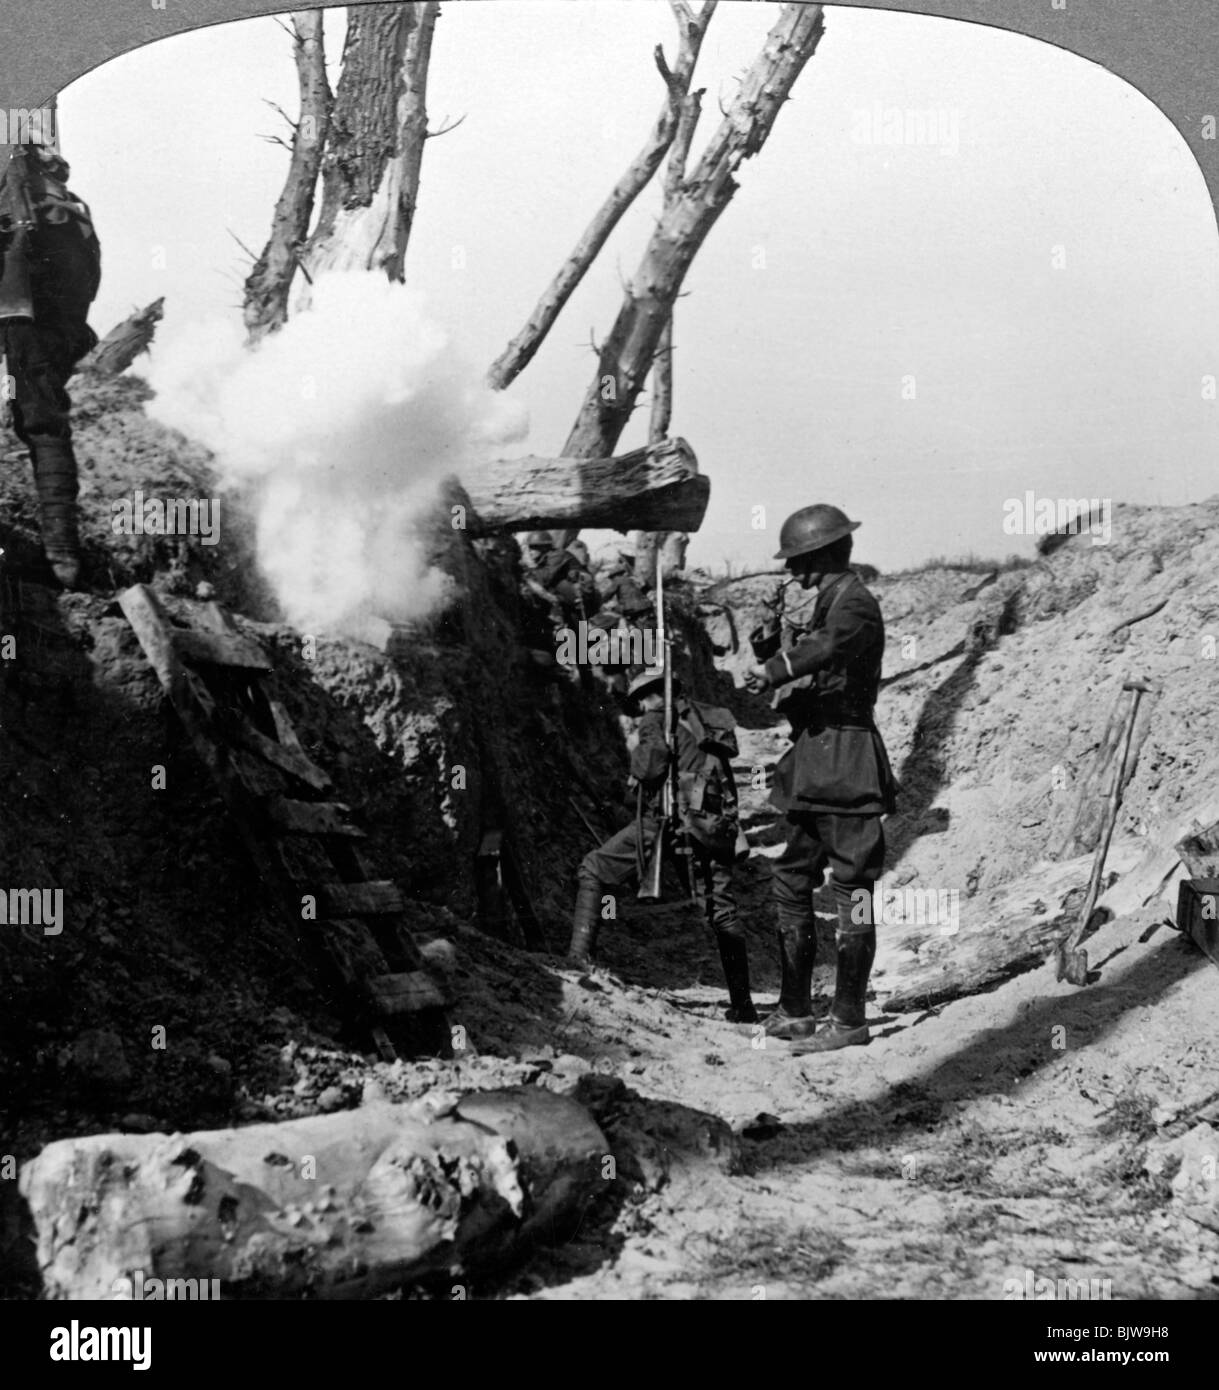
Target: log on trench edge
(658,488)
(335,1206)
(1001,933)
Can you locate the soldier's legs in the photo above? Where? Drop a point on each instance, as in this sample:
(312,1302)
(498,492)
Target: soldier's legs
(40,362)
(612,864)
(717,899)
(795,874)
(855,846)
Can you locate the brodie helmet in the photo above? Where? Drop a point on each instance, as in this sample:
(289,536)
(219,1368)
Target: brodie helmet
(813,528)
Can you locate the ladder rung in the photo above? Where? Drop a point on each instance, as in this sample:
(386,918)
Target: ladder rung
(406,993)
(312,817)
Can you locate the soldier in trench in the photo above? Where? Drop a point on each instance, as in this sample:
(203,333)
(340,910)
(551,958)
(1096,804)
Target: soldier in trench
(834,783)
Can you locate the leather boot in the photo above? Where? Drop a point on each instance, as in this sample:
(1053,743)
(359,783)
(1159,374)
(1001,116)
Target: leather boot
(847,1025)
(734,956)
(797,954)
(584,924)
(55,479)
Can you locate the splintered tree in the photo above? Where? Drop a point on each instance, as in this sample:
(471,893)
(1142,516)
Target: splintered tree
(627,355)
(270,282)
(374,152)
(365,141)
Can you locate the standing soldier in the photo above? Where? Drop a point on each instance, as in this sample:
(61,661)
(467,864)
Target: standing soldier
(705,745)
(51,271)
(834,784)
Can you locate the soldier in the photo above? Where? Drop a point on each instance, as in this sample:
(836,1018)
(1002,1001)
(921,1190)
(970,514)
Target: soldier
(623,592)
(52,269)
(834,783)
(707,800)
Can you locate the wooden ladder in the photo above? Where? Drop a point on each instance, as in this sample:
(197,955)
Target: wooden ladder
(305,844)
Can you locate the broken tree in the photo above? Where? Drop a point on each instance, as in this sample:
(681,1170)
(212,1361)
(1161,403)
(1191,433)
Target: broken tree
(348,1205)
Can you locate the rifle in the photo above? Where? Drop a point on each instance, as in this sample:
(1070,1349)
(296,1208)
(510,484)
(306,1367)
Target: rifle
(16,295)
(671,837)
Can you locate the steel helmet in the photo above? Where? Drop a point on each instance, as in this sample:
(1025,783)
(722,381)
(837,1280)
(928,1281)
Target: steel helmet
(812,528)
(644,682)
(540,540)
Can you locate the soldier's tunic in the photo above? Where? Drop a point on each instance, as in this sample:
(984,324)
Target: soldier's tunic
(834,783)
(65,271)
(616,862)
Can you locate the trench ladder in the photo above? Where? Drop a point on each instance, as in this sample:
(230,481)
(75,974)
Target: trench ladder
(305,845)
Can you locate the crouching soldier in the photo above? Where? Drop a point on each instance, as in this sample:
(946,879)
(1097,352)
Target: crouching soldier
(834,783)
(707,804)
(51,271)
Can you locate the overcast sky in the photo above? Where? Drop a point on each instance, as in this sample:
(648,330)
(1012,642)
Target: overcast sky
(1043,275)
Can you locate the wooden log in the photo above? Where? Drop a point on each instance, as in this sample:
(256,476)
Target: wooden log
(355,899)
(311,817)
(1092,800)
(657,488)
(338,1206)
(124,343)
(1002,933)
(286,759)
(219,649)
(407,992)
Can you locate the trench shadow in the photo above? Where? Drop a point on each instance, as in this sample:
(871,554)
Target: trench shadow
(998,1059)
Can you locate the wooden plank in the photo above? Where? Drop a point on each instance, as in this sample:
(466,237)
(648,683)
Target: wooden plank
(312,817)
(407,993)
(288,760)
(219,649)
(359,899)
(1199,851)
(151,625)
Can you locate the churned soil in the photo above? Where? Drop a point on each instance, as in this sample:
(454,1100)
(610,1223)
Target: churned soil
(1037,1127)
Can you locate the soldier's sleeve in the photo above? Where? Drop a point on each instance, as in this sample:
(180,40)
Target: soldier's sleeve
(852,626)
(650,756)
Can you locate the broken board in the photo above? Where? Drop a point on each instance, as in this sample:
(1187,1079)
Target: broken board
(305,844)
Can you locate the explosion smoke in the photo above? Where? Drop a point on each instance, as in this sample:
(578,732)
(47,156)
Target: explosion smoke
(341,425)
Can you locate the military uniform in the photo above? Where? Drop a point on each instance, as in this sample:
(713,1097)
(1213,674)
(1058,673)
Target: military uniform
(833,784)
(64,275)
(621,859)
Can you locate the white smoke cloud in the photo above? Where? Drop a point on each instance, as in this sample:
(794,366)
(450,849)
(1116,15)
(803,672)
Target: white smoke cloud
(343,423)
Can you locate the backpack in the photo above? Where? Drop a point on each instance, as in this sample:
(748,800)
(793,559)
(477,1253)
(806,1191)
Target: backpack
(707,797)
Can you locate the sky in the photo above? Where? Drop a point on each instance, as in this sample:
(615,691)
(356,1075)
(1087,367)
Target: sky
(966,265)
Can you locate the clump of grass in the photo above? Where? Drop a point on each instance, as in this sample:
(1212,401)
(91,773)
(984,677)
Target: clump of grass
(776,1251)
(1130,1117)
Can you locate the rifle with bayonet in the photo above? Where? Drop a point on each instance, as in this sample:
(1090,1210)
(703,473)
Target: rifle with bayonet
(17,221)
(672,840)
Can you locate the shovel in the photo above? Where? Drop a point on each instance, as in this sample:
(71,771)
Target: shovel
(1071,963)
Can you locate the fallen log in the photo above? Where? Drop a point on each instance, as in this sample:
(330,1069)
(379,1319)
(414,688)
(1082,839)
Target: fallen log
(1011,929)
(347,1205)
(658,488)
(124,343)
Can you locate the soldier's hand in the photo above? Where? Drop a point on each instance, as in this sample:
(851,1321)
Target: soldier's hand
(756,679)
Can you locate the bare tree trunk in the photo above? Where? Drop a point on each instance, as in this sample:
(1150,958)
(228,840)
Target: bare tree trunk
(124,343)
(270,282)
(628,353)
(670,545)
(520,351)
(370,171)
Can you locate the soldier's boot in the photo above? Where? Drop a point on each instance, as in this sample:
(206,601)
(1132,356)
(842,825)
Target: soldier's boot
(797,955)
(847,1025)
(55,479)
(584,924)
(734,956)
